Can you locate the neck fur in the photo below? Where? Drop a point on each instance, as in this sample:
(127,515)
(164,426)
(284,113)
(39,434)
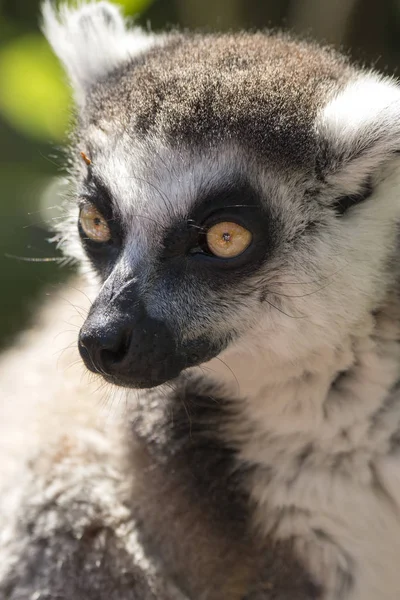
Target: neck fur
(332,390)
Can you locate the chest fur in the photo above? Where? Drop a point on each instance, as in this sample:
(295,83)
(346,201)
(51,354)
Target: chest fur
(326,445)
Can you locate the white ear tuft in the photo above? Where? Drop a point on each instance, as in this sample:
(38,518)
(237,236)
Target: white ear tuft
(91,41)
(361,126)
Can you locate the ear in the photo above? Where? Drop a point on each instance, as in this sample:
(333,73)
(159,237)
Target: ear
(91,41)
(359,130)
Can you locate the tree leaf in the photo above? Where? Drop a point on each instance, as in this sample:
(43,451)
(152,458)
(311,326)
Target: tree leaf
(34,97)
(132,7)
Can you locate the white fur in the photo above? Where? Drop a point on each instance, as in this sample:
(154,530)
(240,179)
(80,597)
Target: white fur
(336,490)
(91,41)
(361,125)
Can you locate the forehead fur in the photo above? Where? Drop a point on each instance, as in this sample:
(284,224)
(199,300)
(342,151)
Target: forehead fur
(258,89)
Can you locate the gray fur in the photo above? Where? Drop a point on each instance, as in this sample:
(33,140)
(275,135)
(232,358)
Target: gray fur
(269,468)
(243,86)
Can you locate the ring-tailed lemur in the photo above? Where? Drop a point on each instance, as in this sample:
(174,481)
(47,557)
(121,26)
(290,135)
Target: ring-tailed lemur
(236,203)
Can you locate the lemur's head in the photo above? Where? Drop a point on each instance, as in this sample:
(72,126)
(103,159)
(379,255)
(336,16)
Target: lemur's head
(233,191)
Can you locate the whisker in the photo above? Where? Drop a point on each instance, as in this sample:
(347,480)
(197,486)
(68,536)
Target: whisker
(311,281)
(300,295)
(63,349)
(188,416)
(38,212)
(148,218)
(81,292)
(34,259)
(233,374)
(283,312)
(73,364)
(163,196)
(82,312)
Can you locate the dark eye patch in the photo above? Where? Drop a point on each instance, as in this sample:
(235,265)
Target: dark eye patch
(236,202)
(237,195)
(95,191)
(342,204)
(104,254)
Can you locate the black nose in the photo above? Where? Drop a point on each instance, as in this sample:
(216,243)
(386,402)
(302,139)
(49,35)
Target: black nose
(128,347)
(104,347)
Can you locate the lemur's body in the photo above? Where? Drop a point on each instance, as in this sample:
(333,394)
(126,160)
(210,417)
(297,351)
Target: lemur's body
(271,467)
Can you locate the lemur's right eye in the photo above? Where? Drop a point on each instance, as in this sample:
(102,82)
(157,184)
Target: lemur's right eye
(93,224)
(227,239)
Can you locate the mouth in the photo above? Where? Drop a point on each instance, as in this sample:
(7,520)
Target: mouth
(139,384)
(145,371)
(136,373)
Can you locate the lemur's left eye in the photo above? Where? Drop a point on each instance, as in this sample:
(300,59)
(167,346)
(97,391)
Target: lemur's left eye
(93,224)
(228,240)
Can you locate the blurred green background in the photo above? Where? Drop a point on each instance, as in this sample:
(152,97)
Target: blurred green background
(35,110)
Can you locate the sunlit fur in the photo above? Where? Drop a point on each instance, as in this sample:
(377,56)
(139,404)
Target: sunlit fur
(92,41)
(303,404)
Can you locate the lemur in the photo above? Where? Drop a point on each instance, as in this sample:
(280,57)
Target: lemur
(234,206)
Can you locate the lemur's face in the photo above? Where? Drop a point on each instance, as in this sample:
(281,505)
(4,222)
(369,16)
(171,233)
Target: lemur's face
(233,191)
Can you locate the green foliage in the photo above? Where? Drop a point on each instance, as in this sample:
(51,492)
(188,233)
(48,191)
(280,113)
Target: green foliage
(133,7)
(129,7)
(34,97)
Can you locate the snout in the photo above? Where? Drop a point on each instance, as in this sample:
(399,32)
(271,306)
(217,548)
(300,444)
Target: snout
(130,350)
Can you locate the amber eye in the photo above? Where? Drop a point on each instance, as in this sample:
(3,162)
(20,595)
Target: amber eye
(94,224)
(227,240)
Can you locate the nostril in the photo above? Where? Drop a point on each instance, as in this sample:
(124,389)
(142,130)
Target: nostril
(103,348)
(117,353)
